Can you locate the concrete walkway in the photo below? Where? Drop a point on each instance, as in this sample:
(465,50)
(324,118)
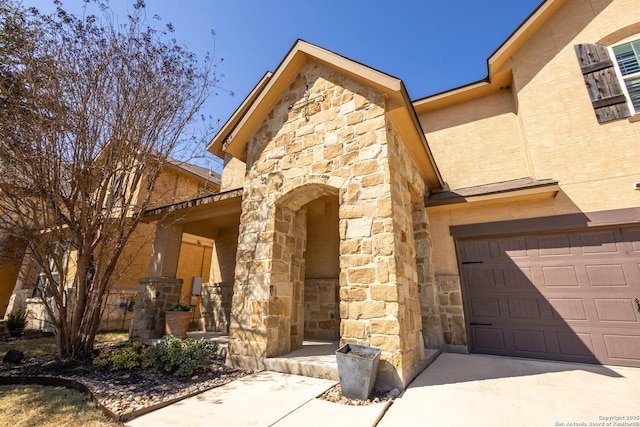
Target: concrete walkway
(262,399)
(455,390)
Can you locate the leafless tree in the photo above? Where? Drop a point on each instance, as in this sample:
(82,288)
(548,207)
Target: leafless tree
(89,111)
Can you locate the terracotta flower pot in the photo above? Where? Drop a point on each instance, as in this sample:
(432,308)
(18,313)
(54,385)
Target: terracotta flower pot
(176,323)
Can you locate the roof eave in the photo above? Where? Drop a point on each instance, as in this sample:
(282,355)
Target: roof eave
(250,118)
(212,177)
(497,74)
(216,146)
(521,34)
(418,146)
(234,137)
(518,188)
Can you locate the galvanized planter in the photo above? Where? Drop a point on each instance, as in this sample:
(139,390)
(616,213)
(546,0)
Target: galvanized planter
(357,368)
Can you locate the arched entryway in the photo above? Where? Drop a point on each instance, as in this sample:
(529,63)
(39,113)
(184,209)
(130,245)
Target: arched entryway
(306,264)
(322,271)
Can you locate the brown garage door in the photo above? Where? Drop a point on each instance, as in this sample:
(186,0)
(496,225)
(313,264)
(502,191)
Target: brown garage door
(562,296)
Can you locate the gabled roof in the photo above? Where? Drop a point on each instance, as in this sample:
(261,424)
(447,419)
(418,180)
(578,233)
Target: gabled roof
(215,147)
(234,135)
(498,74)
(195,170)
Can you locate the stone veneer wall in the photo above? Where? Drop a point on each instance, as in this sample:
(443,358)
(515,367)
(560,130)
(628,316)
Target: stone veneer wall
(321,309)
(341,146)
(427,287)
(403,300)
(285,308)
(451,311)
(215,307)
(155,294)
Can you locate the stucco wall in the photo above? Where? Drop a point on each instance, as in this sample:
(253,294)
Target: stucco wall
(232,173)
(542,126)
(595,164)
(478,141)
(566,141)
(223,257)
(174,186)
(322,259)
(135,259)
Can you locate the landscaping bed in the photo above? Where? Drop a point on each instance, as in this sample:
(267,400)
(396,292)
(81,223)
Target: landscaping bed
(120,394)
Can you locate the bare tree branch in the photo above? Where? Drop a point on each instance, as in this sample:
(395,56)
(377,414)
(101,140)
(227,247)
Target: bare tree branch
(90,110)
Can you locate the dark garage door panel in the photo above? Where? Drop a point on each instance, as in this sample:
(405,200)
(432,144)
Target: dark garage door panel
(562,296)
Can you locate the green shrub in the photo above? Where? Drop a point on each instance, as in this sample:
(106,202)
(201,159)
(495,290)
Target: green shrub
(181,357)
(16,321)
(130,356)
(180,307)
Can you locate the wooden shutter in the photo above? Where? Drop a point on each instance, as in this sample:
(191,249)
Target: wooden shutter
(607,97)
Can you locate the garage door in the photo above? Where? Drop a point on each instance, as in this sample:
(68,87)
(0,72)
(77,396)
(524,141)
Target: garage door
(562,296)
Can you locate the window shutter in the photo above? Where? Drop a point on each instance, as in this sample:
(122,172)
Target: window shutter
(607,97)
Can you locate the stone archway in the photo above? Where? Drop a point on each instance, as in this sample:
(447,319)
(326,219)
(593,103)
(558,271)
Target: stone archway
(290,240)
(322,270)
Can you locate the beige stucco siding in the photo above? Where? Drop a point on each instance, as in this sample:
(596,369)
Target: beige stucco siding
(232,173)
(135,258)
(542,127)
(478,141)
(567,143)
(560,137)
(546,128)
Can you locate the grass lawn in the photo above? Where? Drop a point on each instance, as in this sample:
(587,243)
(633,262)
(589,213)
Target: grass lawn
(50,406)
(41,346)
(34,405)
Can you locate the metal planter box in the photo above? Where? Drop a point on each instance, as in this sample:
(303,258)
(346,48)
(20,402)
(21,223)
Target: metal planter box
(357,368)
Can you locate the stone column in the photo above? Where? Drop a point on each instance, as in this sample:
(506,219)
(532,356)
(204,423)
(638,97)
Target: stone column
(430,308)
(267,315)
(249,317)
(215,307)
(155,294)
(161,289)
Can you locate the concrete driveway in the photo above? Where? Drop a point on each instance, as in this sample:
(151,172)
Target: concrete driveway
(478,390)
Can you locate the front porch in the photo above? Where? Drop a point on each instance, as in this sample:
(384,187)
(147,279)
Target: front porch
(315,359)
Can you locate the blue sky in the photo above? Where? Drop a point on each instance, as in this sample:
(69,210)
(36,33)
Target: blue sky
(431,45)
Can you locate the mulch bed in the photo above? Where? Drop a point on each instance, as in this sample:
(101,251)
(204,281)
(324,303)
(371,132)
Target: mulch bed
(122,395)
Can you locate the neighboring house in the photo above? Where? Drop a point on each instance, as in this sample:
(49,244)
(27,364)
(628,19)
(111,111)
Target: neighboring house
(22,283)
(501,217)
(12,252)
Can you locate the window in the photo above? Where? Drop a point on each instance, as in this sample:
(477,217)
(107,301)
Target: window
(627,56)
(115,190)
(57,260)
